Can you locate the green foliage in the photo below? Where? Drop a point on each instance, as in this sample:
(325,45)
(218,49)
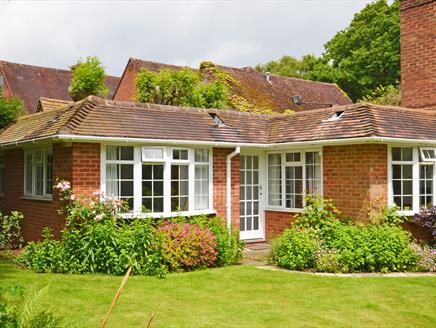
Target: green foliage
(98,240)
(10,231)
(10,110)
(366,54)
(361,59)
(295,249)
(319,240)
(30,312)
(187,246)
(88,78)
(389,95)
(179,88)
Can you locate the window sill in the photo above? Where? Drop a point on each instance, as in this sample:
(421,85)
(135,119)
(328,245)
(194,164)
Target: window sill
(286,210)
(167,215)
(38,198)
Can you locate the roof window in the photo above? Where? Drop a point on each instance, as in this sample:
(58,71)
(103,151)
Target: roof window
(336,116)
(218,121)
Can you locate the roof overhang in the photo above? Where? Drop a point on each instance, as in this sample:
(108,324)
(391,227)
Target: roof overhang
(323,142)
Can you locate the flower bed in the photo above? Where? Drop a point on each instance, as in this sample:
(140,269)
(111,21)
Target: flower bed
(319,241)
(97,239)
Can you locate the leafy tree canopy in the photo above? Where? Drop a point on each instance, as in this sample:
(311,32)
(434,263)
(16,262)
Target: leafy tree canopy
(88,79)
(359,59)
(10,110)
(390,95)
(180,88)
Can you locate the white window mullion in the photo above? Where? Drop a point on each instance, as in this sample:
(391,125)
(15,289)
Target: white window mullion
(415,179)
(137,181)
(283,178)
(211,204)
(167,180)
(191,183)
(303,175)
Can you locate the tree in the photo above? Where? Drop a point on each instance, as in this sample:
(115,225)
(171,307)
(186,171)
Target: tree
(390,95)
(88,78)
(366,54)
(10,110)
(180,88)
(360,58)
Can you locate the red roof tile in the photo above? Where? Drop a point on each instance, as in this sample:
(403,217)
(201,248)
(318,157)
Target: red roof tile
(254,87)
(29,83)
(98,117)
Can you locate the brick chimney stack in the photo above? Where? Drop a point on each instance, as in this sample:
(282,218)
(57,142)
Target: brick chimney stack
(418,53)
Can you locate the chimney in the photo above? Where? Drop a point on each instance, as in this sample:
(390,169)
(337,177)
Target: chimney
(418,53)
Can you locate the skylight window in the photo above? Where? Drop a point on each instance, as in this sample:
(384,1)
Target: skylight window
(218,121)
(336,116)
(428,154)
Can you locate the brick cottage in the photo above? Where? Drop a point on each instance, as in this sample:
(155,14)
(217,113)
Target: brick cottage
(252,170)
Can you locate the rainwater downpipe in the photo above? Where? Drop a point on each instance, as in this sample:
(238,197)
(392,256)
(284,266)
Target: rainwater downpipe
(229,186)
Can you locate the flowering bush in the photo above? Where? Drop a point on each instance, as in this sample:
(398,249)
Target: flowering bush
(426,257)
(187,246)
(426,218)
(327,260)
(96,239)
(10,230)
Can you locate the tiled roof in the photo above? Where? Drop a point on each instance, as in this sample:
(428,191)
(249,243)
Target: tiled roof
(29,83)
(98,117)
(254,87)
(45,104)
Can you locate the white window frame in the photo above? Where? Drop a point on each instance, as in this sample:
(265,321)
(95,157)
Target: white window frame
(152,160)
(167,161)
(425,159)
(283,171)
(45,195)
(415,178)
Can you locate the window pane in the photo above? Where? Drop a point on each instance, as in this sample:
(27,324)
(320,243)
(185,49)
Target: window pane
(180,154)
(201,155)
(126,153)
(39,179)
(112,153)
(294,187)
(179,187)
(396,154)
(29,173)
(275,179)
(48,173)
(201,186)
(407,154)
(152,153)
(152,187)
(426,185)
(126,171)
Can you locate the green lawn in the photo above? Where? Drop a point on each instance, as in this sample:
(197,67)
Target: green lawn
(239,296)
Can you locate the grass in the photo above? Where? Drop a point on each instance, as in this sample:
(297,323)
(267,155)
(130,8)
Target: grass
(239,296)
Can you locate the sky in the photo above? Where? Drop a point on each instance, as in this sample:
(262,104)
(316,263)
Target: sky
(233,33)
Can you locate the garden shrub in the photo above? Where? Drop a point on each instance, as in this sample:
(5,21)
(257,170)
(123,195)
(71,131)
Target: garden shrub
(10,231)
(426,218)
(229,246)
(97,239)
(319,240)
(187,246)
(295,249)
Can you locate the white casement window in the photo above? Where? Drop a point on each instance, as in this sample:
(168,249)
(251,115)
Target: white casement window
(412,178)
(293,175)
(38,173)
(275,180)
(159,180)
(119,173)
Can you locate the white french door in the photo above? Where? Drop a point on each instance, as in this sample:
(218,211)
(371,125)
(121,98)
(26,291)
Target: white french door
(251,213)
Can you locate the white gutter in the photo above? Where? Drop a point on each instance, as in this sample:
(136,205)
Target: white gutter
(229,186)
(325,142)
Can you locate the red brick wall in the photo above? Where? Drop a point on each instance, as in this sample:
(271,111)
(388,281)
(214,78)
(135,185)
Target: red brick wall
(219,184)
(85,178)
(276,222)
(126,88)
(418,52)
(355,176)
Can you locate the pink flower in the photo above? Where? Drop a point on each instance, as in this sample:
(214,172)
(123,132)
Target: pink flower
(73,197)
(98,217)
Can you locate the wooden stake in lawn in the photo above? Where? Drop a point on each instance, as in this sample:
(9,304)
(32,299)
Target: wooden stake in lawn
(117,295)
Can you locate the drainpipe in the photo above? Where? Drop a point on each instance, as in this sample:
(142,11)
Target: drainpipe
(229,185)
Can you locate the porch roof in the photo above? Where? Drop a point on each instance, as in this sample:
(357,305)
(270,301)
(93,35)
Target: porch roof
(102,118)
